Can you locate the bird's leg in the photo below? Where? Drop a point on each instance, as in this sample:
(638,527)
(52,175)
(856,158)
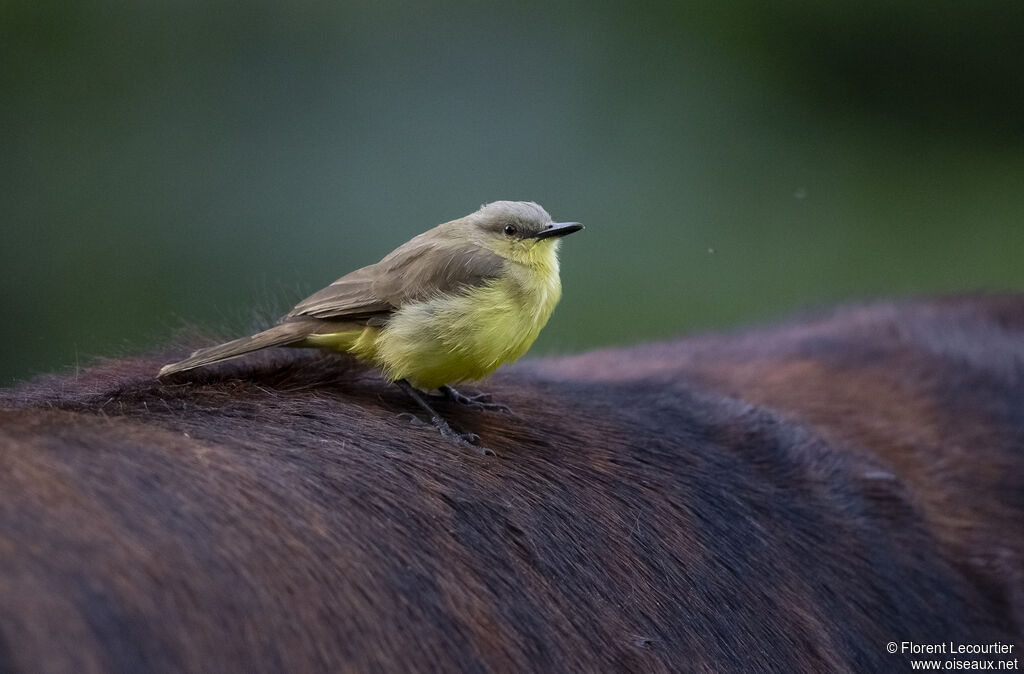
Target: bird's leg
(466,439)
(481,401)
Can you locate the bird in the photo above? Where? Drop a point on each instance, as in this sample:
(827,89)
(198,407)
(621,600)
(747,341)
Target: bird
(450,305)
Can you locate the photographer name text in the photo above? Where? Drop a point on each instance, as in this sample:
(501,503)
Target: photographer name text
(953,648)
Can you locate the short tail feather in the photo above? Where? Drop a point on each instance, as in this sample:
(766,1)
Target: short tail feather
(279,335)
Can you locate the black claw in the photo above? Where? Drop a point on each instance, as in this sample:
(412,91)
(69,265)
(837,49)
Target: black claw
(461,439)
(412,419)
(481,401)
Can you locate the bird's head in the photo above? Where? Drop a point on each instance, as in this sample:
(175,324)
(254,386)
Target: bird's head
(520,231)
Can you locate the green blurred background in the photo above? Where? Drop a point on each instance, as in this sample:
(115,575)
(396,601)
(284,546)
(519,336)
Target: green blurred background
(196,163)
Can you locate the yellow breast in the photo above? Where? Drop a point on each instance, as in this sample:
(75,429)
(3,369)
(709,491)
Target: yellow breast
(454,338)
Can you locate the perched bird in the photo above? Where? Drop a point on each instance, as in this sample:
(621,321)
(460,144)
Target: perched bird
(450,305)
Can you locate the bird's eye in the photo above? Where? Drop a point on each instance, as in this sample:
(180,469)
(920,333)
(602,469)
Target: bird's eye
(510,230)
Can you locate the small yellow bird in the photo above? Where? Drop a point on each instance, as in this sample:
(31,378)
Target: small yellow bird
(450,305)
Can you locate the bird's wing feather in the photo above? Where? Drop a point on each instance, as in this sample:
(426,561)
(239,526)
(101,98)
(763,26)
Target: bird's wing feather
(350,296)
(415,271)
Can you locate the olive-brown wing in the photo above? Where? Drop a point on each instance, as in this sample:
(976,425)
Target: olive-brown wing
(411,273)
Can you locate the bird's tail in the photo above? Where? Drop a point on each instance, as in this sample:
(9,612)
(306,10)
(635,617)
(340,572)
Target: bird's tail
(279,335)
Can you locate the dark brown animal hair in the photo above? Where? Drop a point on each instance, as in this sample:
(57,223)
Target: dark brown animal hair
(786,499)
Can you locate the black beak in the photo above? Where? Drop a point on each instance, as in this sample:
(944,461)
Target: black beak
(558,229)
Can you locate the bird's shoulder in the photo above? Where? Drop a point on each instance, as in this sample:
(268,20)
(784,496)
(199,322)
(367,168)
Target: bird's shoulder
(421,268)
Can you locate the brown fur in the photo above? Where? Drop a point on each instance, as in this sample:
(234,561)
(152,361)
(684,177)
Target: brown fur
(787,499)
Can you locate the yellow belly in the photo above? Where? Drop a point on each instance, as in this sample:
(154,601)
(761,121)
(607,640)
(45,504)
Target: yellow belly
(452,338)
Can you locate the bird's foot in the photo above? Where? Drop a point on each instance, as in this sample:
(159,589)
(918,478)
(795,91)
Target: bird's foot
(412,419)
(480,401)
(451,434)
(447,432)
(462,439)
